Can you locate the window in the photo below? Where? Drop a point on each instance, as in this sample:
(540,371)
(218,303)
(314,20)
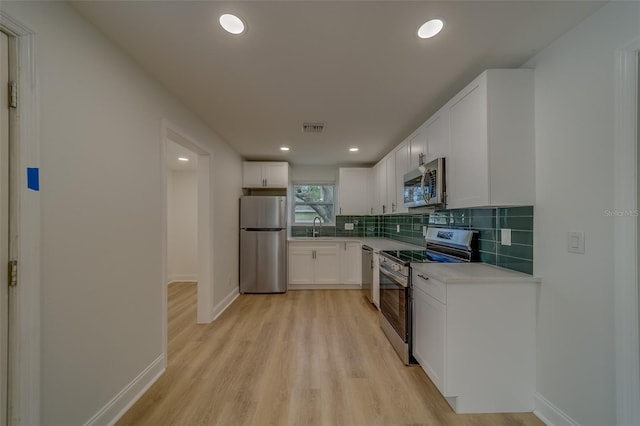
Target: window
(311,201)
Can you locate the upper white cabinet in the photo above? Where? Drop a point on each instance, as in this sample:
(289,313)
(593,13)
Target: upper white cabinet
(431,140)
(491,160)
(262,174)
(353,191)
(401,166)
(380,187)
(388,181)
(417,143)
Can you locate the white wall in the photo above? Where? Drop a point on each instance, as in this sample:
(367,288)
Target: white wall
(101,195)
(182,226)
(311,174)
(574,125)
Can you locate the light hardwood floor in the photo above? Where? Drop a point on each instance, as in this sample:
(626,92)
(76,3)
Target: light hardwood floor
(300,358)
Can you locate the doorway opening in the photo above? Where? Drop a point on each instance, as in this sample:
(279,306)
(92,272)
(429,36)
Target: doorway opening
(188,229)
(4,227)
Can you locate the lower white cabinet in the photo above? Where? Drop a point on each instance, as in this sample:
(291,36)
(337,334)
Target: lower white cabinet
(351,263)
(314,263)
(376,279)
(325,263)
(474,336)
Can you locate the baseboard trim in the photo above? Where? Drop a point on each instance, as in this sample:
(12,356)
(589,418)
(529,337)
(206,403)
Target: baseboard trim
(224,304)
(185,277)
(118,406)
(181,281)
(324,287)
(550,414)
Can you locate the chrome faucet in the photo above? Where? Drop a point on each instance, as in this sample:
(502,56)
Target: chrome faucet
(315,233)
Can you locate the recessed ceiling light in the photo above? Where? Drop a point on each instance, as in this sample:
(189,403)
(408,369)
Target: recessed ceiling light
(354,149)
(183,159)
(231,23)
(284,148)
(430,28)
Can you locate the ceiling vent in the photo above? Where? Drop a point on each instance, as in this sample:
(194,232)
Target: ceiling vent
(315,127)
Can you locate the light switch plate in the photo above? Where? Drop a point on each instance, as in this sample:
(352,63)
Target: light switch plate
(505,236)
(424,231)
(348,226)
(575,242)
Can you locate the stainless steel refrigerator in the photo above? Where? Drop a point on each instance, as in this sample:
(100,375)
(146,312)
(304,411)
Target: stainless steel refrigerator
(263,244)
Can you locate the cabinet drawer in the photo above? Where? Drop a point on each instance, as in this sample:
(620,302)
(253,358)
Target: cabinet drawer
(433,288)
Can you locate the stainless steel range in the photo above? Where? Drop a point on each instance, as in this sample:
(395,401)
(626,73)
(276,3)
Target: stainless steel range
(442,245)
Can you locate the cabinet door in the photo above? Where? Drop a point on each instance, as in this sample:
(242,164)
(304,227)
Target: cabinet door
(401,157)
(380,190)
(436,132)
(276,175)
(429,318)
(301,264)
(351,263)
(417,147)
(390,165)
(327,265)
(468,184)
(252,174)
(376,280)
(353,191)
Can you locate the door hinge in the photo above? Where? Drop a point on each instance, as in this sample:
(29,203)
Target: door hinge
(13,94)
(13,273)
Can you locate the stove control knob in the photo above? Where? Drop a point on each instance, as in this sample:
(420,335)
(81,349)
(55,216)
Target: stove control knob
(395,267)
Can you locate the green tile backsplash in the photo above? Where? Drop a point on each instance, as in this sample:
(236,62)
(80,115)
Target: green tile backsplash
(488,222)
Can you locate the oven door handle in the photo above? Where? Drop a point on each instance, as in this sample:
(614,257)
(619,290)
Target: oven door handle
(396,278)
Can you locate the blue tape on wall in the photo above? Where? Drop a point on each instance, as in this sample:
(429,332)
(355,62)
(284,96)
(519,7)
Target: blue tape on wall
(33,178)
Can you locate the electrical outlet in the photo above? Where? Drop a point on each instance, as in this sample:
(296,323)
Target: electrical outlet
(424,231)
(348,226)
(398,228)
(575,242)
(505,237)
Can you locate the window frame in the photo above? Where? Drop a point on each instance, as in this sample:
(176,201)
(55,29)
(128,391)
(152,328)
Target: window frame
(295,203)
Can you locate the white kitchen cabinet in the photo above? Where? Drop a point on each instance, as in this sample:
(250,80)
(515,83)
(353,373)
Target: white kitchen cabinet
(301,264)
(491,161)
(380,188)
(376,279)
(401,166)
(314,263)
(417,145)
(390,183)
(436,130)
(262,174)
(351,263)
(474,335)
(353,191)
(428,332)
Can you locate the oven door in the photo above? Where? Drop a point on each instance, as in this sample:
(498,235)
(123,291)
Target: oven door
(394,301)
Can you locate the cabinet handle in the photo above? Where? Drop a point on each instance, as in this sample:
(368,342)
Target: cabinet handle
(384,209)
(314,254)
(393,207)
(423,277)
(345,246)
(340,210)
(371,210)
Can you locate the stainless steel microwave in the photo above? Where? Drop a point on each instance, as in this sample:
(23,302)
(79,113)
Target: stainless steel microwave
(425,186)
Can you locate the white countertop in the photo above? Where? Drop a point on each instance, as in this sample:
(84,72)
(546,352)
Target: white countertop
(375,243)
(472,273)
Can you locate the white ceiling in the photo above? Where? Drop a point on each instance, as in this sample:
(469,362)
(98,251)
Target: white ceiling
(356,65)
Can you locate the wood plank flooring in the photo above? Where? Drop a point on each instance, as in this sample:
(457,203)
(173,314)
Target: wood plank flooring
(300,358)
